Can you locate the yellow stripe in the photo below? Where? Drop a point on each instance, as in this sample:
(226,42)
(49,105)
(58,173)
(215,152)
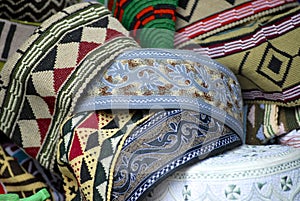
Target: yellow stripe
(29,187)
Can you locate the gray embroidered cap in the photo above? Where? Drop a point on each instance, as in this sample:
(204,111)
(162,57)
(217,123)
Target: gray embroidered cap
(166,79)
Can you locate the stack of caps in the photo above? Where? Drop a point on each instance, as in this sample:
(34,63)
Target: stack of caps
(259,41)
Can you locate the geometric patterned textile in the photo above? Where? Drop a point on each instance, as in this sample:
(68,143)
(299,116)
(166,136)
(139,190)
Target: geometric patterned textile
(31,166)
(89,144)
(13,36)
(247,173)
(107,152)
(16,179)
(151,23)
(40,84)
(258,41)
(122,154)
(32,10)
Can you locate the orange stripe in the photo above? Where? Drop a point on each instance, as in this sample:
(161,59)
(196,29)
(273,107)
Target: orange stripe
(122,2)
(145,10)
(137,25)
(145,21)
(121,15)
(164,11)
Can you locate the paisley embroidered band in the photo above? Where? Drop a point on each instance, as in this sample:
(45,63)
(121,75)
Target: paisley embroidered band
(121,155)
(166,79)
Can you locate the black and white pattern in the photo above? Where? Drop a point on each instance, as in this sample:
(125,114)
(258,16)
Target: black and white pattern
(32,10)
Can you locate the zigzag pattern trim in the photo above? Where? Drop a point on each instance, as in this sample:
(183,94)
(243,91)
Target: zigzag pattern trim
(34,10)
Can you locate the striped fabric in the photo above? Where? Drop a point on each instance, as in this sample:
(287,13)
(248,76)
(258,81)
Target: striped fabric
(13,35)
(291,139)
(194,23)
(258,40)
(151,23)
(41,83)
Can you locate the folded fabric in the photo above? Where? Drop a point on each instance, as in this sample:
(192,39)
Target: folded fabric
(17,180)
(151,23)
(39,84)
(257,40)
(268,123)
(32,10)
(291,139)
(246,173)
(52,181)
(149,113)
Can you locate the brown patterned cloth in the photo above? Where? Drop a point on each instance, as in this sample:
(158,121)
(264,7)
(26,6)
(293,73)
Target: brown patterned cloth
(271,124)
(258,41)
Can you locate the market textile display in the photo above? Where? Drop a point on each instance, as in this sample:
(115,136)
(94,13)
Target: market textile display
(252,173)
(88,111)
(258,41)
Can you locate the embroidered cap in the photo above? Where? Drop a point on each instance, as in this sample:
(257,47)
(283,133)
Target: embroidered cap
(149,113)
(247,173)
(166,79)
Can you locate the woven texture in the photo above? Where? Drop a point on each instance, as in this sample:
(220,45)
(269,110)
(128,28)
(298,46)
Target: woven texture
(32,10)
(150,112)
(13,36)
(247,173)
(36,175)
(22,176)
(41,82)
(151,23)
(258,40)
(107,155)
